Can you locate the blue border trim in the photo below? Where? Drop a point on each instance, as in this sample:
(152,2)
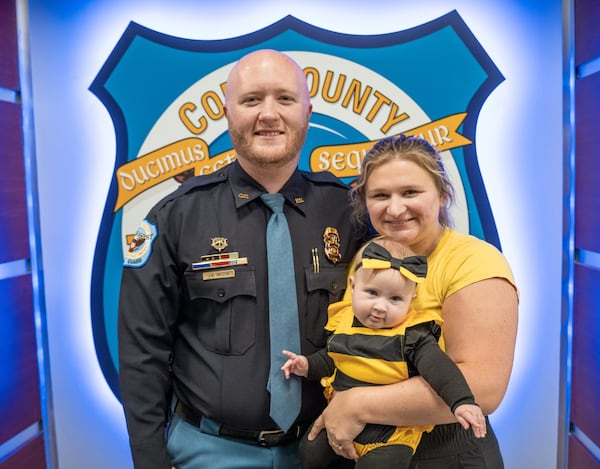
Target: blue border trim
(588,68)
(587,443)
(34,264)
(13,444)
(14,268)
(469,129)
(7,95)
(588,258)
(568,235)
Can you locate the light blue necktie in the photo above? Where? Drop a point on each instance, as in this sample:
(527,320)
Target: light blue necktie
(283,315)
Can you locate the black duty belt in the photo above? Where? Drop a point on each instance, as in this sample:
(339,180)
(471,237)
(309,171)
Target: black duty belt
(260,437)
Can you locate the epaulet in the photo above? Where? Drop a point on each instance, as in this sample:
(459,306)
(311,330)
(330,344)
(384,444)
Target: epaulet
(323,177)
(191,184)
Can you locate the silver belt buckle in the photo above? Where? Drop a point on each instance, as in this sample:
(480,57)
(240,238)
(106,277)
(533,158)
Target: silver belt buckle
(264,434)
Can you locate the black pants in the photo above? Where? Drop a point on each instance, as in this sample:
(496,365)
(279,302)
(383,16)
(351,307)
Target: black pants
(317,454)
(453,447)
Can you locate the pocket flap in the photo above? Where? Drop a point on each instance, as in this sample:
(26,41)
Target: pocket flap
(221,288)
(331,279)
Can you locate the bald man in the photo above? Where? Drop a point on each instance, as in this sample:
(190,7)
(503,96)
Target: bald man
(194,343)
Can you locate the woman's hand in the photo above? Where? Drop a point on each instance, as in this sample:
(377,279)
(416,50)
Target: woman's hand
(341,422)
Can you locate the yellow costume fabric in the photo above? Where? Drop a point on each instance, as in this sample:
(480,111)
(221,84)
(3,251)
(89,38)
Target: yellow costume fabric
(375,356)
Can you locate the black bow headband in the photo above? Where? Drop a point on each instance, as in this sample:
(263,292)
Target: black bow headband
(375,256)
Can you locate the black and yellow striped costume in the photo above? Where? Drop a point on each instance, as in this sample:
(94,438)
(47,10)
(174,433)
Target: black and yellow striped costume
(365,357)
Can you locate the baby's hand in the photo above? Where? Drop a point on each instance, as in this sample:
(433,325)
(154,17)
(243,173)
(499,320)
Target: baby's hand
(471,415)
(296,364)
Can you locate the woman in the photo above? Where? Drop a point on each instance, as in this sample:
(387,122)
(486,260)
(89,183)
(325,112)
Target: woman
(405,192)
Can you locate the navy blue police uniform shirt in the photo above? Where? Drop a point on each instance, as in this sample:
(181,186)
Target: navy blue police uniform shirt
(205,331)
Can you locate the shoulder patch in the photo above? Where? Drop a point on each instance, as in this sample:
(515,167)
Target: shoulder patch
(324,177)
(140,247)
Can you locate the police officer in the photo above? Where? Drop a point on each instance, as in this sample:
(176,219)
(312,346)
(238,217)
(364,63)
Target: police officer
(193,312)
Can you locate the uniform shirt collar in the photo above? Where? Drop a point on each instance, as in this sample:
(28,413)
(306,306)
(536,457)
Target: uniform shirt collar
(245,189)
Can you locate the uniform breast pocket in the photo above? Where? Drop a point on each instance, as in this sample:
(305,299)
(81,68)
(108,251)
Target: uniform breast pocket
(324,287)
(224,308)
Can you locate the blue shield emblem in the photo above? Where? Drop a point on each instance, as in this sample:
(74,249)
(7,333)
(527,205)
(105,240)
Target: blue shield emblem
(165,96)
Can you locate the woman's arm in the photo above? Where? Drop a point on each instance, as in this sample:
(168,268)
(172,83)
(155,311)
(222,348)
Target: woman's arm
(480,324)
(481,329)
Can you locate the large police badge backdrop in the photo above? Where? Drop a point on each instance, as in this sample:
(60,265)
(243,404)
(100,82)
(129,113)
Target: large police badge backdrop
(165,96)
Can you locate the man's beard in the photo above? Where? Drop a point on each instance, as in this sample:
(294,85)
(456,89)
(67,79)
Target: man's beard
(264,157)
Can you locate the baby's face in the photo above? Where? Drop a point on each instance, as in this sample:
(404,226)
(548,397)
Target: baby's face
(381,297)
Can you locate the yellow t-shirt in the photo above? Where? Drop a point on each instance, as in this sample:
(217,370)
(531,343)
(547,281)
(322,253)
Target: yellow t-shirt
(457,261)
